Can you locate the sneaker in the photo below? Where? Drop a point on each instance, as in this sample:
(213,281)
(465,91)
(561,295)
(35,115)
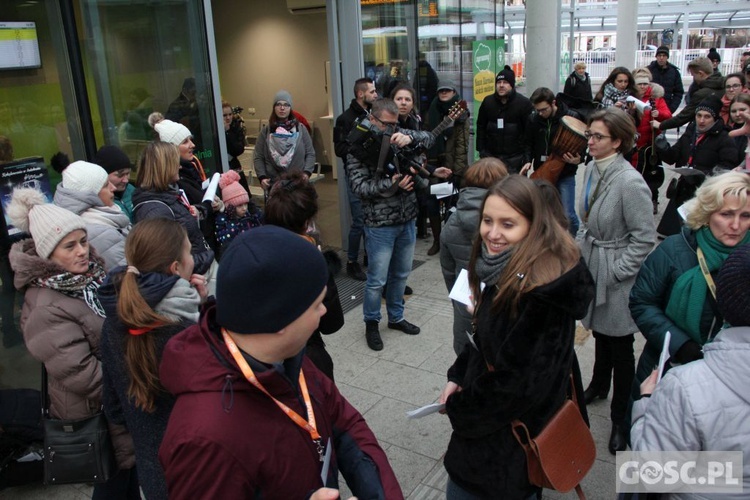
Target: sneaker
(405,327)
(372,335)
(407,290)
(355,272)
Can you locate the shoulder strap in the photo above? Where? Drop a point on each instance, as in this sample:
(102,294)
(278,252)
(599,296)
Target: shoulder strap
(44,395)
(154,201)
(706,272)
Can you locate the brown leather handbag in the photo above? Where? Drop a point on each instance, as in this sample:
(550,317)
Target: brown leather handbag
(561,455)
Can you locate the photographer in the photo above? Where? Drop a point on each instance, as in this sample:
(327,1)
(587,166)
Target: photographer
(384,175)
(234,127)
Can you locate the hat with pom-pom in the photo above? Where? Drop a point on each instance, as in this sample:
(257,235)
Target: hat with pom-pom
(48,224)
(232,192)
(84,177)
(508,75)
(713,54)
(169,131)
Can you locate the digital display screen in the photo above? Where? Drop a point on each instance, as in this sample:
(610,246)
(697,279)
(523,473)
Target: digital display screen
(19,46)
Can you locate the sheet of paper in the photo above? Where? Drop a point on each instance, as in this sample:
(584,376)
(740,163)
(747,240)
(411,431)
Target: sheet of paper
(461,292)
(442,190)
(211,188)
(326,462)
(425,410)
(664,356)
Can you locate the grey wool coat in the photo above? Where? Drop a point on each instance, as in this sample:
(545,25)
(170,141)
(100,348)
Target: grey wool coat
(615,240)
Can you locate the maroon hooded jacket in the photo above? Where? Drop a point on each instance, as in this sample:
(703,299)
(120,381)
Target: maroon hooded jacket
(226,439)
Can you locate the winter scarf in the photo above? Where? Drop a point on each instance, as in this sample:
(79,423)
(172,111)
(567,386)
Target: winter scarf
(611,95)
(282,143)
(490,267)
(79,286)
(689,292)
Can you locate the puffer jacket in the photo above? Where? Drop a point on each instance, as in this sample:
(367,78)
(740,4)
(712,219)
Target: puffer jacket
(575,87)
(456,240)
(107,227)
(383,202)
(124,200)
(650,295)
(715,151)
(703,405)
(63,333)
(148,204)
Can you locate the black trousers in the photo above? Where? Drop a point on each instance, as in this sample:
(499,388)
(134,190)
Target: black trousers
(614,354)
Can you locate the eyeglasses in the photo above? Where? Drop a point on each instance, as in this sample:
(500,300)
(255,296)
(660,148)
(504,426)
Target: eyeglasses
(734,86)
(543,111)
(595,135)
(387,124)
(283,105)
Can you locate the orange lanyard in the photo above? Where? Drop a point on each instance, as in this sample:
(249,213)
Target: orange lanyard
(308,425)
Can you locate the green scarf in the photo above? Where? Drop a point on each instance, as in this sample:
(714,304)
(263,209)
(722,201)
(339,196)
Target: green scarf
(688,295)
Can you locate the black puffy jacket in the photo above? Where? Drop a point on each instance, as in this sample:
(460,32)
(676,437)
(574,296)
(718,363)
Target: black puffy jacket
(670,78)
(716,150)
(504,142)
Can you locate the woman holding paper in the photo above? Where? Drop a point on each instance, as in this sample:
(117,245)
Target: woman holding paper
(158,195)
(671,292)
(519,363)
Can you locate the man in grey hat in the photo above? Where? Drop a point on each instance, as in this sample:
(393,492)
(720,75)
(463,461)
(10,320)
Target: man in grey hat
(668,76)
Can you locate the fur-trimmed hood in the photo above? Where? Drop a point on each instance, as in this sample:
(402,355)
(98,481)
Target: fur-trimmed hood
(28,266)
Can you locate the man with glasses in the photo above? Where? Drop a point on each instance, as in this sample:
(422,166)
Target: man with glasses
(668,76)
(385,183)
(364,95)
(540,132)
(501,121)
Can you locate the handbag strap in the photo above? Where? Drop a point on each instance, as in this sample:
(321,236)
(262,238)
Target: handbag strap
(44,398)
(706,273)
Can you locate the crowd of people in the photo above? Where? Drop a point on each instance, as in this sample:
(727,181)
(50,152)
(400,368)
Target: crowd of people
(186,316)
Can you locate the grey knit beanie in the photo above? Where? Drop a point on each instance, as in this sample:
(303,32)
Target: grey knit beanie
(283,95)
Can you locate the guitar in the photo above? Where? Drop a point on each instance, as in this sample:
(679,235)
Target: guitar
(454,113)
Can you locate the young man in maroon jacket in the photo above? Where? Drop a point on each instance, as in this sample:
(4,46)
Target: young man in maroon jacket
(253,417)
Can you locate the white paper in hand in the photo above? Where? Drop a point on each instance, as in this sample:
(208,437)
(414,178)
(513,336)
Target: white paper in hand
(425,410)
(211,188)
(442,190)
(664,356)
(461,291)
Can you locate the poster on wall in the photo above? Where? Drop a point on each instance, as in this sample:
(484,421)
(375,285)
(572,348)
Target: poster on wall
(489,58)
(27,172)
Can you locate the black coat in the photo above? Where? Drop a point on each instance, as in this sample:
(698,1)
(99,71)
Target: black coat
(670,78)
(505,143)
(149,204)
(717,150)
(532,356)
(580,89)
(344,125)
(235,145)
(540,133)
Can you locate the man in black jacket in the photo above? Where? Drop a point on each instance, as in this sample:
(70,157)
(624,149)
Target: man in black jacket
(668,76)
(364,95)
(707,84)
(501,122)
(540,133)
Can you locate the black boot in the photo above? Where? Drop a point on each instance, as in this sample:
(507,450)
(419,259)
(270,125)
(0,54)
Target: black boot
(618,440)
(592,392)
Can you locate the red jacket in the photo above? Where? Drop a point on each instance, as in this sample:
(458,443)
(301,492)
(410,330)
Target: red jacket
(226,439)
(645,130)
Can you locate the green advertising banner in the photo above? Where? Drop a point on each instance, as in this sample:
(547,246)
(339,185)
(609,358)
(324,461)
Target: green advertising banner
(489,58)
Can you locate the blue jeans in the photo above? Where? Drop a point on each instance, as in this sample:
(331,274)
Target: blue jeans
(567,188)
(390,250)
(356,230)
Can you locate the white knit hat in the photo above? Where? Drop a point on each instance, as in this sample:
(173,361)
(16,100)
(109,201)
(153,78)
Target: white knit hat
(84,177)
(172,132)
(48,224)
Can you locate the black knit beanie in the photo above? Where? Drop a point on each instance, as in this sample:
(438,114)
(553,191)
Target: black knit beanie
(712,105)
(267,278)
(732,286)
(112,159)
(508,75)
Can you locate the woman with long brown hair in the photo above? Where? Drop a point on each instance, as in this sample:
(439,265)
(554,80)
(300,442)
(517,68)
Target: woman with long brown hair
(521,352)
(146,302)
